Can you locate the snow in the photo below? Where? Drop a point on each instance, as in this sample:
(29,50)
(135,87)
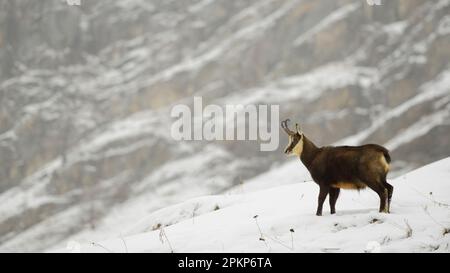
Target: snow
(275,177)
(395,29)
(332,18)
(235,221)
(420,128)
(308,86)
(432,90)
(200,6)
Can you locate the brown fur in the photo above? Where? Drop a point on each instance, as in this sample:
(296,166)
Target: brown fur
(344,167)
(348,185)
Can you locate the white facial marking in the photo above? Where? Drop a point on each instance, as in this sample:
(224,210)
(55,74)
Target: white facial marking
(298,149)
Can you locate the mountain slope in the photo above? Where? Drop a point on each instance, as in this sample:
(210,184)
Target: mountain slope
(419,221)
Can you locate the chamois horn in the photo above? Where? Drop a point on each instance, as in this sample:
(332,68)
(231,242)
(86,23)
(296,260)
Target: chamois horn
(284,125)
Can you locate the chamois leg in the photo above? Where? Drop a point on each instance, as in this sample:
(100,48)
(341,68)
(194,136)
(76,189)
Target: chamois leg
(382,193)
(334,194)
(322,195)
(390,189)
(384,200)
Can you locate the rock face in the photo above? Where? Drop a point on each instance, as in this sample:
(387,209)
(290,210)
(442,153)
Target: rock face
(86,94)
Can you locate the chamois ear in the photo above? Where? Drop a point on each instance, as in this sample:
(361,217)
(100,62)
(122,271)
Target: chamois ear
(285,127)
(298,129)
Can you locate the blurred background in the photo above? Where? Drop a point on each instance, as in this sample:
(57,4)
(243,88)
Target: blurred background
(86,93)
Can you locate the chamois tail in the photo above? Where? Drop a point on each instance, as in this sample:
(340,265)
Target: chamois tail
(387,156)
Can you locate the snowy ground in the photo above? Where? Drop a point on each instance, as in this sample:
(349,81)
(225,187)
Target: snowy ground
(282,219)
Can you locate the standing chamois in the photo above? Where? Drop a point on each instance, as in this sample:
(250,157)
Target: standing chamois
(344,167)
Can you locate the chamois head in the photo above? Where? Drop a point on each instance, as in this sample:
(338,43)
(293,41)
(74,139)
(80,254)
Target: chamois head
(295,145)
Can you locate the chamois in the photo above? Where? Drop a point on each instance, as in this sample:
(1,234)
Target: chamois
(343,167)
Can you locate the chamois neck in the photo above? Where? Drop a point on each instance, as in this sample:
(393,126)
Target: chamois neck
(309,152)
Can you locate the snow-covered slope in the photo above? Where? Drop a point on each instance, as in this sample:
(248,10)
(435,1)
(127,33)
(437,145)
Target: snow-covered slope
(261,221)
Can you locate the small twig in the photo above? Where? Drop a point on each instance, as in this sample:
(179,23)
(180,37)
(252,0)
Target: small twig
(279,242)
(193,212)
(257,224)
(292,237)
(429,198)
(162,236)
(437,202)
(124,243)
(446,229)
(99,245)
(409,230)
(261,238)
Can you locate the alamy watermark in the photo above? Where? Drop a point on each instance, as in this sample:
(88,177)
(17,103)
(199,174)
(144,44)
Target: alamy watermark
(73,2)
(229,122)
(373,2)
